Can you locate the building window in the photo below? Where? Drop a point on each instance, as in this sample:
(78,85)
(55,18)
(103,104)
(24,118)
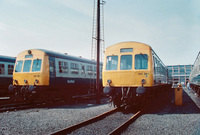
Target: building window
(126,62)
(2,69)
(63,67)
(10,69)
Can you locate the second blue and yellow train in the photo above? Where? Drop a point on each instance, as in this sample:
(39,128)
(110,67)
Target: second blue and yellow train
(132,71)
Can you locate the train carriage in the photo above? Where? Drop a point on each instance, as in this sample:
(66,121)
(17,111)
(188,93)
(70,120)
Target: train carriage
(6,71)
(132,70)
(40,72)
(195,76)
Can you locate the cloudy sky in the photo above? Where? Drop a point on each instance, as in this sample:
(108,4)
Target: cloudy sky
(170,27)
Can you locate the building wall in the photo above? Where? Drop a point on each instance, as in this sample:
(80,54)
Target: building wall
(180,74)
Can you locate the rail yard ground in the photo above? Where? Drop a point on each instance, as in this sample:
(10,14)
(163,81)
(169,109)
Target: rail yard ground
(163,118)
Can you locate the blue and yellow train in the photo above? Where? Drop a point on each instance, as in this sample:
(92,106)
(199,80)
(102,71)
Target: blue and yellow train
(42,73)
(131,72)
(6,71)
(195,76)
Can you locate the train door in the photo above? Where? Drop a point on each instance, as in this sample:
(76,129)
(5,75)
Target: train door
(51,72)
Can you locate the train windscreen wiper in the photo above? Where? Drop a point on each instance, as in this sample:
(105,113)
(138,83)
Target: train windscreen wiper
(144,56)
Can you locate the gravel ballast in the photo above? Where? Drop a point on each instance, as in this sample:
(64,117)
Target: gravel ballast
(47,121)
(170,119)
(166,119)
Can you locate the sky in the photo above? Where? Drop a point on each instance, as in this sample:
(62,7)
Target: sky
(170,27)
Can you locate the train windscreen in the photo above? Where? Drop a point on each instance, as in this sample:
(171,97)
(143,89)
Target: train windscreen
(111,63)
(36,65)
(18,67)
(27,65)
(126,62)
(141,61)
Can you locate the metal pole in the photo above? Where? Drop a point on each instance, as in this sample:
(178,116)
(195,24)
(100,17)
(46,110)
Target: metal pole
(98,45)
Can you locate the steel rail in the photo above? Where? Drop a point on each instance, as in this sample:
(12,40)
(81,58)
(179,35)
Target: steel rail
(84,123)
(122,127)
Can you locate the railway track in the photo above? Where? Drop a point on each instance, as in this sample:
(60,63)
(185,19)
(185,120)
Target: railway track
(102,117)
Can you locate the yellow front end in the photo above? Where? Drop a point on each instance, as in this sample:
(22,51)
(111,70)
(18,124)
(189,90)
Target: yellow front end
(31,68)
(125,54)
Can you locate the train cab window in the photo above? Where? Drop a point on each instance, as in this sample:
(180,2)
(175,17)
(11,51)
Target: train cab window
(18,67)
(36,65)
(10,69)
(111,63)
(141,61)
(126,62)
(27,65)
(2,69)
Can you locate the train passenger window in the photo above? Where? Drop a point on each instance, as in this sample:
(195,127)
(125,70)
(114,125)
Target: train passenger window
(27,65)
(126,62)
(89,70)
(141,61)
(111,63)
(2,69)
(18,67)
(95,70)
(63,67)
(74,68)
(10,69)
(36,65)
(82,69)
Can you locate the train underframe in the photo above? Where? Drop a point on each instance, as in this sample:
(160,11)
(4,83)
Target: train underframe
(135,96)
(31,93)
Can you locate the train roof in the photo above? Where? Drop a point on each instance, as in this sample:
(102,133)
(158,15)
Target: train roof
(7,58)
(65,56)
(130,43)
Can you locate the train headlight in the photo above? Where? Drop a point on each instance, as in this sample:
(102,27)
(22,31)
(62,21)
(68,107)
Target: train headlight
(109,81)
(25,81)
(36,81)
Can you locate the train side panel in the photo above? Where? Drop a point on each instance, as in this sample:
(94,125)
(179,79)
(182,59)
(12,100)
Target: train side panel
(6,73)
